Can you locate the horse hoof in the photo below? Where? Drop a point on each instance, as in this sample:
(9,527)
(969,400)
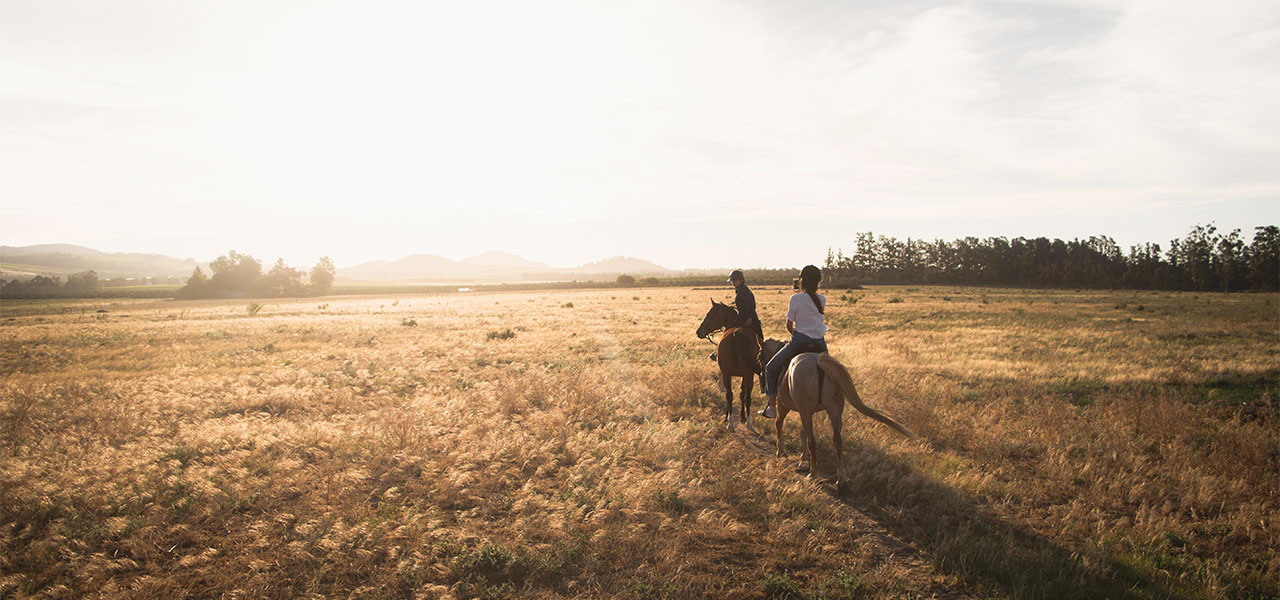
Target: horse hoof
(713,356)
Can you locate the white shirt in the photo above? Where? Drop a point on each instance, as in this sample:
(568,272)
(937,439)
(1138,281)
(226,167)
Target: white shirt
(806,316)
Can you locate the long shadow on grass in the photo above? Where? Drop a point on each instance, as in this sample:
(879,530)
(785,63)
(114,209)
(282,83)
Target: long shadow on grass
(967,541)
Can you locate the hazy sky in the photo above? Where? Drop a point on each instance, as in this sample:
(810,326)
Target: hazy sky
(692,133)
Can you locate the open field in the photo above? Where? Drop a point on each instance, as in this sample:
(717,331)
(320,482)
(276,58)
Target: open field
(568,444)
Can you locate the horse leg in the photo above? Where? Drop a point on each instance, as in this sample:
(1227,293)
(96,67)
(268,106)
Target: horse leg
(745,404)
(810,442)
(728,399)
(777,426)
(834,414)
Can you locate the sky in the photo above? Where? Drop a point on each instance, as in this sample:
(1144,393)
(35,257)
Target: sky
(693,133)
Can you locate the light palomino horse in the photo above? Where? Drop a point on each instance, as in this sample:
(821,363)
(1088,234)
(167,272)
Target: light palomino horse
(806,387)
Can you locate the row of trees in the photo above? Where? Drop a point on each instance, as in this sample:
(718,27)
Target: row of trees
(238,275)
(1205,259)
(51,286)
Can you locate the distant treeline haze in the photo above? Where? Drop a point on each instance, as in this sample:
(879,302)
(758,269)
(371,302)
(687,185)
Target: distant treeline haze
(1203,260)
(234,275)
(240,275)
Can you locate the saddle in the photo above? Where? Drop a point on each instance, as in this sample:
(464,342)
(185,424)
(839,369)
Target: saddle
(817,347)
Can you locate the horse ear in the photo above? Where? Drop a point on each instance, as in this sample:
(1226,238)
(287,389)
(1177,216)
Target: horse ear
(713,302)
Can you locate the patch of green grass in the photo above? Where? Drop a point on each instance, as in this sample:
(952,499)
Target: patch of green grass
(844,586)
(504,334)
(780,586)
(671,502)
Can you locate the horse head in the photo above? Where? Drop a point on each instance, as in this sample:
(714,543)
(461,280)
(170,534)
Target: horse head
(770,348)
(719,317)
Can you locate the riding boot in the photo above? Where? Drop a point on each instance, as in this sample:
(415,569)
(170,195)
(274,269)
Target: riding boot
(769,411)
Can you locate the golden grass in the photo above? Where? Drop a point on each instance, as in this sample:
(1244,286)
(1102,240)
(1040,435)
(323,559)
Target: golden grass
(567,444)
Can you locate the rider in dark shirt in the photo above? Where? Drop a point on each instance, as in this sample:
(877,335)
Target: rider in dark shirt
(745,302)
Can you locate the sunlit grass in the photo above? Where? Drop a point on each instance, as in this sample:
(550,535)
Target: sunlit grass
(566,444)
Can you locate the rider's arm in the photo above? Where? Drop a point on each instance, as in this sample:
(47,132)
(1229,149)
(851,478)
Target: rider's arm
(791,326)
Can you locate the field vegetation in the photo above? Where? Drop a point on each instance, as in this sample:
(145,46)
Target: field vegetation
(567,444)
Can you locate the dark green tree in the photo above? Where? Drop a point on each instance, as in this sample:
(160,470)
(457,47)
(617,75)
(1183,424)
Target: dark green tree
(1264,259)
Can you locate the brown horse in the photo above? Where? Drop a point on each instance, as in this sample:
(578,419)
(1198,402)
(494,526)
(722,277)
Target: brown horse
(736,354)
(801,388)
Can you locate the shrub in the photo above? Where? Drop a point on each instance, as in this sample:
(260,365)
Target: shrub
(779,586)
(505,334)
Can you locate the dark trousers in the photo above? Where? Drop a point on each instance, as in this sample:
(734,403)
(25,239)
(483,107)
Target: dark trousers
(780,361)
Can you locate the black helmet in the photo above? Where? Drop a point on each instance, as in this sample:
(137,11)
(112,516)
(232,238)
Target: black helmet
(736,274)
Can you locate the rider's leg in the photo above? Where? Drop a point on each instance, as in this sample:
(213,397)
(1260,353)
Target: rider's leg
(773,371)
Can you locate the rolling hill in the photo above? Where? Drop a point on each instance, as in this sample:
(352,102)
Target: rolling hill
(23,262)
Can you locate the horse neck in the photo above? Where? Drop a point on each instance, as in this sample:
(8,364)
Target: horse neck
(733,315)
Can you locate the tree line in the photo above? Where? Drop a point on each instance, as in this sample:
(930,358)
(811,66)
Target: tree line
(236,275)
(1205,259)
(51,286)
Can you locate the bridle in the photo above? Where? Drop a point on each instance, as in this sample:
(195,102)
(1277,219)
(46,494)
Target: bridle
(713,332)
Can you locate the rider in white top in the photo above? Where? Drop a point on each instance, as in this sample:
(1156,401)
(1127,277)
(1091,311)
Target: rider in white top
(804,313)
(807,325)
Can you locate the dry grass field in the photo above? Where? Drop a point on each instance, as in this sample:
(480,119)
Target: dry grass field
(569,445)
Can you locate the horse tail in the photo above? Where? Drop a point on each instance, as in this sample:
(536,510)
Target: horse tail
(844,381)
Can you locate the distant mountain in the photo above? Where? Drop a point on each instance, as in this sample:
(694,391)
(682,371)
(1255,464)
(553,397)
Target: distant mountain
(494,258)
(63,259)
(496,266)
(414,266)
(621,265)
(49,249)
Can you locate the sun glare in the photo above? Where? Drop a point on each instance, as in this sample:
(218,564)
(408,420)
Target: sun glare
(413,105)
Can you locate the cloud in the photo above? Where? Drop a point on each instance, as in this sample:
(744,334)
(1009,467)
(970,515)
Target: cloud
(574,114)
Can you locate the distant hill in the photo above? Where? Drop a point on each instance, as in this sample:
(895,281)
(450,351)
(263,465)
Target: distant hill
(496,266)
(63,259)
(494,258)
(48,249)
(414,266)
(623,264)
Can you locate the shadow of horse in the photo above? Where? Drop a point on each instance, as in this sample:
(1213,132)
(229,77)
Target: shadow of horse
(964,539)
